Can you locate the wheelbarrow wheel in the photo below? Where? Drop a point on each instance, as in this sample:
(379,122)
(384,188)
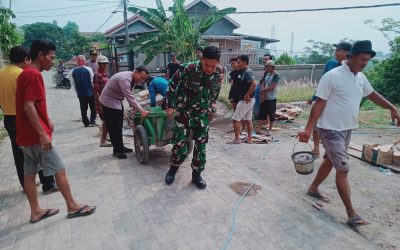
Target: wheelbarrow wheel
(141,144)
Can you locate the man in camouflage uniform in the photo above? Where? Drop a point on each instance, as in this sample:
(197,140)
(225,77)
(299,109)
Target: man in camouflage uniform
(191,97)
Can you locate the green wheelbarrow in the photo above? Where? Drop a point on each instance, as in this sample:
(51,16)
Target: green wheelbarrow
(155,129)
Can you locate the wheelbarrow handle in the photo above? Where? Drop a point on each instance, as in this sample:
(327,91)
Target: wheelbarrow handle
(126,116)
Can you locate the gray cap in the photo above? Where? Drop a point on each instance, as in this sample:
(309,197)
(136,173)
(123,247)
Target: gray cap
(344,46)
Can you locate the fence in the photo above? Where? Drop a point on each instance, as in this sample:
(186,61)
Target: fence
(120,60)
(292,73)
(226,55)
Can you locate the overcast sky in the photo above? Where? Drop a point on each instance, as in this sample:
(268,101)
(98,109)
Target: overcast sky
(326,26)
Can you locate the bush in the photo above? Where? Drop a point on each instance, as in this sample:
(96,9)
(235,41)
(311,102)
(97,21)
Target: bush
(385,76)
(285,59)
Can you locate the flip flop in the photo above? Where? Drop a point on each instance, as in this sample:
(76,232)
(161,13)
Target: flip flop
(246,141)
(81,212)
(47,214)
(319,196)
(357,221)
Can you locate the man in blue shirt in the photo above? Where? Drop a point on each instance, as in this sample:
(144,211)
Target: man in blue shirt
(157,85)
(83,78)
(341,53)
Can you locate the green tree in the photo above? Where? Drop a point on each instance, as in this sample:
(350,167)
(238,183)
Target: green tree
(68,40)
(180,34)
(48,31)
(389,27)
(99,37)
(74,42)
(319,52)
(385,75)
(11,35)
(285,59)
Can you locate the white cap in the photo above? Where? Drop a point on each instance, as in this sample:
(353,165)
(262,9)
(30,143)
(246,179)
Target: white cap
(102,59)
(269,62)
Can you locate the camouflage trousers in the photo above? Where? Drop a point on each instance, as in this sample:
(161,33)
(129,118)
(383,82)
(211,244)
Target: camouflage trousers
(186,129)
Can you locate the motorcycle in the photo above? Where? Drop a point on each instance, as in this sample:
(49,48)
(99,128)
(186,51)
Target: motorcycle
(62,79)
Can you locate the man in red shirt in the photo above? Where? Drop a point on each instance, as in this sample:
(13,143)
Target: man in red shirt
(35,135)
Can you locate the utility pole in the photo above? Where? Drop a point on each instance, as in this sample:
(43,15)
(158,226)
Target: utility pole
(291,44)
(131,60)
(126,23)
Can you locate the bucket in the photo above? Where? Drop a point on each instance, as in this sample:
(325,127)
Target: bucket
(303,161)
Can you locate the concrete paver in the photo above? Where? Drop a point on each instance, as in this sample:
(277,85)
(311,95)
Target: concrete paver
(137,210)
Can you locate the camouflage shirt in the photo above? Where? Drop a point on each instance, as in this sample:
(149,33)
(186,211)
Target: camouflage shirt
(193,91)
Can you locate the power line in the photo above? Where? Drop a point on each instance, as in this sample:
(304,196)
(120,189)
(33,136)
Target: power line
(294,10)
(320,9)
(69,14)
(71,7)
(105,21)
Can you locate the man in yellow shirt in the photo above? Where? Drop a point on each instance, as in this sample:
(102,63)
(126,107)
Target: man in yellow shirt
(19,59)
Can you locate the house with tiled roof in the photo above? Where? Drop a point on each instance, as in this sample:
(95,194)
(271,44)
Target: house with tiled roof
(221,34)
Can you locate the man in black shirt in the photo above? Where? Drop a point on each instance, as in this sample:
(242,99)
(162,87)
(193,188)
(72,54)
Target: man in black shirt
(172,67)
(244,108)
(234,79)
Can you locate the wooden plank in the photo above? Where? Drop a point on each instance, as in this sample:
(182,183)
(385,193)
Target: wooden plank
(356,147)
(357,154)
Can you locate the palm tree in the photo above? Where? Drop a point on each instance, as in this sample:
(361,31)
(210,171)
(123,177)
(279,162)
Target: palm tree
(179,34)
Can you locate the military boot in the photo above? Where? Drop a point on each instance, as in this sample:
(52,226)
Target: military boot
(170,177)
(197,180)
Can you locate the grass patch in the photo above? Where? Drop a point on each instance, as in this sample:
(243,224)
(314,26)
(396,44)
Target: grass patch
(370,115)
(295,91)
(368,105)
(376,117)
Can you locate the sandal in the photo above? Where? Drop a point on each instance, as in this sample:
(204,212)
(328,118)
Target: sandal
(81,212)
(357,221)
(47,214)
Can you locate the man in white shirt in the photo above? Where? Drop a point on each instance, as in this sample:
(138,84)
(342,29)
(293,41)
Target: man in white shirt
(339,95)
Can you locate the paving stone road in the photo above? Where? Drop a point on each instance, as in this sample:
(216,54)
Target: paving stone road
(137,210)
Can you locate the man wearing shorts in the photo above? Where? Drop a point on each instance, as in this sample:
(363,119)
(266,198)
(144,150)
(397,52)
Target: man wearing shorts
(244,108)
(341,52)
(336,109)
(268,97)
(34,135)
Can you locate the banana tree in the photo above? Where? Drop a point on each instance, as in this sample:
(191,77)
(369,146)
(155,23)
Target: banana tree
(179,34)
